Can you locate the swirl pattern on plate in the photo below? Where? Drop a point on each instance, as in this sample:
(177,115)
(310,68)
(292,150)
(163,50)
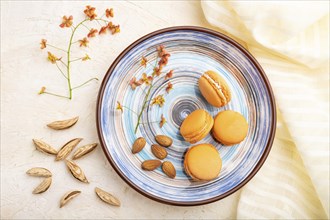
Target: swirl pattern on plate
(192,53)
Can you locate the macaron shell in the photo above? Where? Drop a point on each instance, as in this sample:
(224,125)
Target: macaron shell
(186,169)
(194,122)
(209,93)
(196,126)
(224,86)
(215,96)
(230,127)
(203,162)
(204,132)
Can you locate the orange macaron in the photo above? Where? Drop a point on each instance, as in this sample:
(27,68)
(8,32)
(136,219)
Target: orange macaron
(214,89)
(230,127)
(196,126)
(202,162)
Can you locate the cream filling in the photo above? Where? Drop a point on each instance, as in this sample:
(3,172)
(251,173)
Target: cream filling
(217,86)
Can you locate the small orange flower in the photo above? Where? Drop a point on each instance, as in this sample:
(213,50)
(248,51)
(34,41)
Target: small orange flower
(169,87)
(119,107)
(164,56)
(144,62)
(83,42)
(146,79)
(42,90)
(133,83)
(66,21)
(164,60)
(43,44)
(86,57)
(162,121)
(116,29)
(52,58)
(113,28)
(169,74)
(162,51)
(158,100)
(90,12)
(92,33)
(157,71)
(103,30)
(109,12)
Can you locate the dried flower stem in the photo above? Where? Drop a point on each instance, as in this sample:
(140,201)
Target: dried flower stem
(70,61)
(63,63)
(56,47)
(84,83)
(68,55)
(143,107)
(67,22)
(76,59)
(148,80)
(85,27)
(53,94)
(130,110)
(61,70)
(146,100)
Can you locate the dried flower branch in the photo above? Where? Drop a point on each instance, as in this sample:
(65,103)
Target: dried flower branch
(147,80)
(67,22)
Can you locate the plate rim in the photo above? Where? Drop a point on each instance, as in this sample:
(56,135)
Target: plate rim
(247,54)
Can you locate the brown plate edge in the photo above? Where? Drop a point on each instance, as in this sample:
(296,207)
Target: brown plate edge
(263,157)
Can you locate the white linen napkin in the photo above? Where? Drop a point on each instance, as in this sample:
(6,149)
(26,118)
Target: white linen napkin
(291,42)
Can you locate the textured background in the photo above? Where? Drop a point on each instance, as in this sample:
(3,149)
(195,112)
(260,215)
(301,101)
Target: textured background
(24,114)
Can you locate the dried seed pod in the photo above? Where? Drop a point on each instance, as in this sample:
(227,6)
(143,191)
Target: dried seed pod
(68,196)
(44,147)
(67,148)
(107,197)
(64,124)
(43,186)
(76,171)
(39,172)
(82,151)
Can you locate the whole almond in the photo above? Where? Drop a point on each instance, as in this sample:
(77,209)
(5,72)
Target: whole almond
(151,164)
(138,145)
(67,148)
(60,125)
(169,169)
(164,140)
(158,151)
(44,147)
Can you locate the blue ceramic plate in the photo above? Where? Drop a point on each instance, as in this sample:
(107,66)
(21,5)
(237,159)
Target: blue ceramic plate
(193,51)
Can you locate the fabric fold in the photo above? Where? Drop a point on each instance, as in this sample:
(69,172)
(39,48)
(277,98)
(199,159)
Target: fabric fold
(291,42)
